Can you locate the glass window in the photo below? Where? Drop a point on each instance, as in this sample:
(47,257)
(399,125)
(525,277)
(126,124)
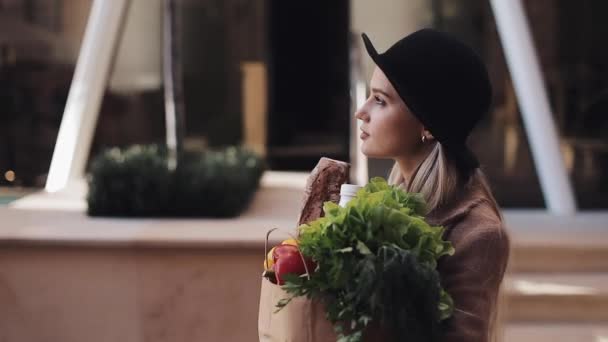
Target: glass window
(132,107)
(254,73)
(569,39)
(39,44)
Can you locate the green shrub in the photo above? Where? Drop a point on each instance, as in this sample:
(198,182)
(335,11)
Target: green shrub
(136,182)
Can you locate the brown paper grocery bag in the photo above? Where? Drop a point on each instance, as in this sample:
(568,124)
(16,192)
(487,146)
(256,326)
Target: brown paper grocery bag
(302,320)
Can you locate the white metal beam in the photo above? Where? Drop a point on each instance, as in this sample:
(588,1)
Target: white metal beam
(541,131)
(93,67)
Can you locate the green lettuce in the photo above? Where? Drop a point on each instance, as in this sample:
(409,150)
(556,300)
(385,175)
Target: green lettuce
(376,260)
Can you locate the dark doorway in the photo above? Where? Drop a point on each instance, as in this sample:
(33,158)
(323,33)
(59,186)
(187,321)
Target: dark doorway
(308,72)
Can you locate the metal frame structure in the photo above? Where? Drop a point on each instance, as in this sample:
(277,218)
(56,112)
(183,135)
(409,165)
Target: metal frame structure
(93,67)
(541,131)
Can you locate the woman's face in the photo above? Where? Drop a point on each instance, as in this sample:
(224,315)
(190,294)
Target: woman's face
(389,129)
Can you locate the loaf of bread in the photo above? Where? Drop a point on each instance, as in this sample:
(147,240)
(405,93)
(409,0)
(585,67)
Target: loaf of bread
(323,185)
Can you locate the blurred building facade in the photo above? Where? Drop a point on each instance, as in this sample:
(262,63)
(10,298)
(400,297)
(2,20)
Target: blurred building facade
(278,76)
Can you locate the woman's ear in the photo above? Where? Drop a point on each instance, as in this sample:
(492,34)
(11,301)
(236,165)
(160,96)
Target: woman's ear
(427,135)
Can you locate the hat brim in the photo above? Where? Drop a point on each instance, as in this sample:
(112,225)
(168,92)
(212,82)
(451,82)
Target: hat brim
(401,89)
(371,50)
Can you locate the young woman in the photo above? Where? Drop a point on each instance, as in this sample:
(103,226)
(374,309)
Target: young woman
(428,91)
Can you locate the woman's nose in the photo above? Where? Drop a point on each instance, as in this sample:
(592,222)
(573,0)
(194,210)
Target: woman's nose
(361,115)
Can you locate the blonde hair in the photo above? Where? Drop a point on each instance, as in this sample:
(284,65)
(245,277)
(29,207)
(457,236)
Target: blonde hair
(435,178)
(438,180)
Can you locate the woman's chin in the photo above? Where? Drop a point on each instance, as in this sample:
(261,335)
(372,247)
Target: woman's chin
(364,151)
(370,153)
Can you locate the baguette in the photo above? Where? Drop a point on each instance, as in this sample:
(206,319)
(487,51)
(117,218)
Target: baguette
(323,185)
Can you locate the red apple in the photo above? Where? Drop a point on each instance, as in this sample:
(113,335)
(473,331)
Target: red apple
(289,261)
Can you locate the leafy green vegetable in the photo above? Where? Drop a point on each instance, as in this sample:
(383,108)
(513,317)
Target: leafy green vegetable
(376,260)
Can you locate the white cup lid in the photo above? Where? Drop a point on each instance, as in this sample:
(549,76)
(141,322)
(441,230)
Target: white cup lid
(349,189)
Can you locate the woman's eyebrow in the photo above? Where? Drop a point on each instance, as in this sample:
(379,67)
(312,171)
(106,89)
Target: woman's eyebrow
(376,90)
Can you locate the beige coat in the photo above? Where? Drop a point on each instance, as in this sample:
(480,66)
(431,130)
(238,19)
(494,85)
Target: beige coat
(472,276)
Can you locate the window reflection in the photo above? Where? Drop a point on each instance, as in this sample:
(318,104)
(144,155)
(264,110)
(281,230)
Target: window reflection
(39,43)
(569,41)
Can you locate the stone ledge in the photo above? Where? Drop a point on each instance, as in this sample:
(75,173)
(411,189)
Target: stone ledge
(557,297)
(58,218)
(555,332)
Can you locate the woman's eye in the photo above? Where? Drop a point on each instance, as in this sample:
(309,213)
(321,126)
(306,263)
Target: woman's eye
(378,100)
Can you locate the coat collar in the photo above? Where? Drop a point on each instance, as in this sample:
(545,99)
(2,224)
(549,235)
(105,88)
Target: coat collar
(453,211)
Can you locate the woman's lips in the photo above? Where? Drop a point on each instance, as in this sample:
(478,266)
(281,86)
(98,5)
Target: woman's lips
(364,136)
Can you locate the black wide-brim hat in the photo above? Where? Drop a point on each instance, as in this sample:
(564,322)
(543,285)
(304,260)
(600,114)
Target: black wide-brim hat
(445,85)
